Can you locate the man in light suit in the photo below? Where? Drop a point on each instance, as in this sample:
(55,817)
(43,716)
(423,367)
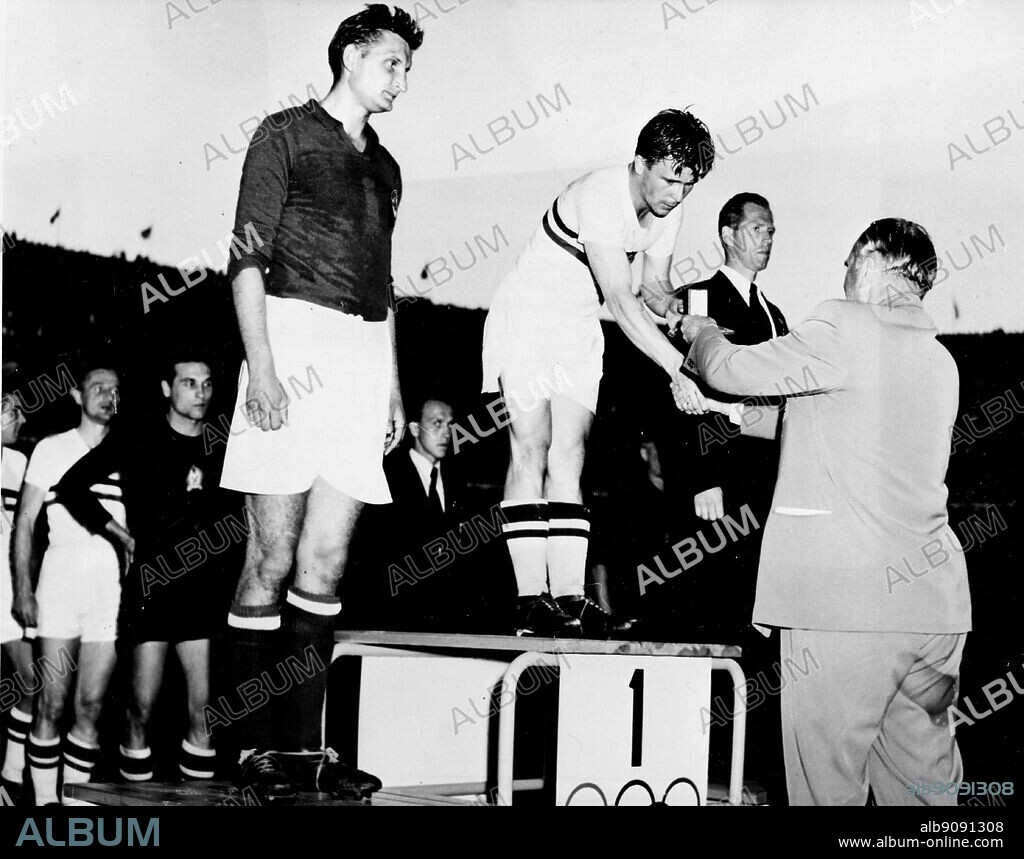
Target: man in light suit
(859,567)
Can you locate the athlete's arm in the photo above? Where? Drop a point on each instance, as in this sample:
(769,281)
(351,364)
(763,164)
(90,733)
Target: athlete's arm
(261,198)
(611,269)
(74,491)
(29,505)
(396,413)
(655,288)
(265,397)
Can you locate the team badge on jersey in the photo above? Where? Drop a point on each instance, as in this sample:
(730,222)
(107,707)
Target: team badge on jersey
(194,481)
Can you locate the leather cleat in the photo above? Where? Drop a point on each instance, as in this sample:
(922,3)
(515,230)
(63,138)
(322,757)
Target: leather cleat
(595,622)
(539,615)
(325,772)
(265,774)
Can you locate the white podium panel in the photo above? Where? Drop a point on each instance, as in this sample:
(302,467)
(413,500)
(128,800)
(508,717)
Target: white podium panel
(425,721)
(630,731)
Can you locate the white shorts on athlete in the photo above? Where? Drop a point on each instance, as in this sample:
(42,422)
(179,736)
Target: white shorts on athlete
(541,338)
(79,591)
(336,372)
(10,629)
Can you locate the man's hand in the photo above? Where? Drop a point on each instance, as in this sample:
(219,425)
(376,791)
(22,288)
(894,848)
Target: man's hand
(396,424)
(674,314)
(25,609)
(690,326)
(129,552)
(709,504)
(266,402)
(687,395)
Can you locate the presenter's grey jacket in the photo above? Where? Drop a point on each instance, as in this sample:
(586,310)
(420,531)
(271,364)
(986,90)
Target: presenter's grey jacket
(858,537)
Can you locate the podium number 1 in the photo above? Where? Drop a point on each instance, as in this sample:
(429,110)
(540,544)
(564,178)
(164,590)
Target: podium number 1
(636,683)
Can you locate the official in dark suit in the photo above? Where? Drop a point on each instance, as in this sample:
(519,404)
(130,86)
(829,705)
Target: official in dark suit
(420,537)
(719,471)
(860,501)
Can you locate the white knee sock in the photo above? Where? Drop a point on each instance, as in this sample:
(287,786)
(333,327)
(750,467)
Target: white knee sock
(43,760)
(18,724)
(526,531)
(568,540)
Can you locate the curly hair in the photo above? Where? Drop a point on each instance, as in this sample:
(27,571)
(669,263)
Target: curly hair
(680,137)
(905,247)
(365,27)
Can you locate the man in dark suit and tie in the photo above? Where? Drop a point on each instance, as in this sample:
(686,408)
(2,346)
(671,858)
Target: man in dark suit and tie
(427,505)
(722,471)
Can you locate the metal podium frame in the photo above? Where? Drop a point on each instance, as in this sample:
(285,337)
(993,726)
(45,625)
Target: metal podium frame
(541,651)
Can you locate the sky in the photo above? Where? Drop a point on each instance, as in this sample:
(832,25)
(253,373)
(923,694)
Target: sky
(128,115)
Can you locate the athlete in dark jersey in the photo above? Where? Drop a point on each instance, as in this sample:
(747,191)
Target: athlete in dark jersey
(179,526)
(317,203)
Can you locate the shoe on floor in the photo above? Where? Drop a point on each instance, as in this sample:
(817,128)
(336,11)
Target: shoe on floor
(264,773)
(539,615)
(594,621)
(324,771)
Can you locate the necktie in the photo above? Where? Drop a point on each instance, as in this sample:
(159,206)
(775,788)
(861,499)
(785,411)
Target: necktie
(760,312)
(433,499)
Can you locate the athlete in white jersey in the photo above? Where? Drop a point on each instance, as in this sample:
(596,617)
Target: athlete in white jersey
(543,349)
(17,703)
(75,604)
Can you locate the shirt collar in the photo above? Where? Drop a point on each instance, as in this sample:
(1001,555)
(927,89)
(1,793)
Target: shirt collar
(338,127)
(739,281)
(423,465)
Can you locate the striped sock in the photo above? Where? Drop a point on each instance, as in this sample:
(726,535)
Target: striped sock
(43,760)
(526,531)
(253,640)
(308,620)
(136,764)
(196,763)
(79,759)
(18,724)
(568,540)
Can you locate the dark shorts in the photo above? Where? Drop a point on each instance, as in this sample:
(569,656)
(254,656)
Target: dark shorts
(159,607)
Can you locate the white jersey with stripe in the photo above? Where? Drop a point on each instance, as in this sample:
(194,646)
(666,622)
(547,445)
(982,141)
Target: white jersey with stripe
(12,473)
(50,461)
(595,208)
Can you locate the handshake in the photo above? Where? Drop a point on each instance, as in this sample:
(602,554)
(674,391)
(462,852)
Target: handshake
(686,393)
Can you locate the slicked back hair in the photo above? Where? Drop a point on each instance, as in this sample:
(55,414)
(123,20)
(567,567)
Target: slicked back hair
(905,247)
(732,211)
(364,28)
(681,138)
(168,367)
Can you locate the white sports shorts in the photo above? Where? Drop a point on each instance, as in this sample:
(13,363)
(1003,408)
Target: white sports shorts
(336,372)
(10,629)
(540,339)
(79,591)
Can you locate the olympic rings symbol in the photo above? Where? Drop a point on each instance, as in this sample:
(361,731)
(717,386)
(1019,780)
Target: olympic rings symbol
(580,789)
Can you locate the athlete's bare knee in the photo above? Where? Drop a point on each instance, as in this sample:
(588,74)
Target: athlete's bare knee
(530,455)
(51,705)
(270,564)
(565,462)
(140,712)
(88,708)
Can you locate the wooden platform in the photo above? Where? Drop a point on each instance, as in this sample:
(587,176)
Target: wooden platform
(433,641)
(223,793)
